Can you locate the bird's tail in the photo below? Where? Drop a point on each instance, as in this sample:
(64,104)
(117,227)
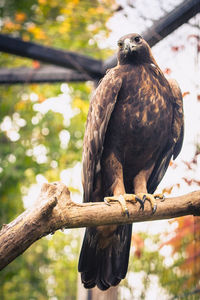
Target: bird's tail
(106,266)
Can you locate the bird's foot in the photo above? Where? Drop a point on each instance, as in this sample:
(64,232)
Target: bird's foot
(122,200)
(151,198)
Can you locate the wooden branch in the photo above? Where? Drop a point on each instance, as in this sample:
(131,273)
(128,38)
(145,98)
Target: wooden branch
(55,210)
(41,75)
(67,59)
(164,26)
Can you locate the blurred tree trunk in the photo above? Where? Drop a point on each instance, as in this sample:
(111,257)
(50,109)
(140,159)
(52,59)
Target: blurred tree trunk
(96,294)
(82,293)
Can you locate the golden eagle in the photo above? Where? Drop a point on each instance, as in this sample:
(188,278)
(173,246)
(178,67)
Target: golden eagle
(134,127)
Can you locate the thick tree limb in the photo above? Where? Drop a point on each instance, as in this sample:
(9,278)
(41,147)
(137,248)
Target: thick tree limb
(55,210)
(41,75)
(67,59)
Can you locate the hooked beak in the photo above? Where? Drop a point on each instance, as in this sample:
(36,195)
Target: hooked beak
(129,46)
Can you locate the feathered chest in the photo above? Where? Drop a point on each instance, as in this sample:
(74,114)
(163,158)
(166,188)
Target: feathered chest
(143,107)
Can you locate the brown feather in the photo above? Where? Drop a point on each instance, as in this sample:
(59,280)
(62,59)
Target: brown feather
(101,107)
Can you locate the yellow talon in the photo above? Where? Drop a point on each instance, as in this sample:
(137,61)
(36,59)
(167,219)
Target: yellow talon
(122,200)
(140,197)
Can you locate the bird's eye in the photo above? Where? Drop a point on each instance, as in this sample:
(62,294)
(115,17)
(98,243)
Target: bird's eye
(120,44)
(137,39)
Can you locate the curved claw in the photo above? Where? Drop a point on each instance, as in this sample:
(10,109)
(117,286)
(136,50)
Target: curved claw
(144,198)
(141,202)
(127,212)
(106,202)
(154,208)
(163,198)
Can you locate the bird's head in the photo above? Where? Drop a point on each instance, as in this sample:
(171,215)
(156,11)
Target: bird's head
(133,49)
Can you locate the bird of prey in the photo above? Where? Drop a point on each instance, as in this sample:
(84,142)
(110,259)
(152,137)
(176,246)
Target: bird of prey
(134,127)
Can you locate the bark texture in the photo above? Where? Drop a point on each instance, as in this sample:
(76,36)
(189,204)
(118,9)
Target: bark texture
(55,210)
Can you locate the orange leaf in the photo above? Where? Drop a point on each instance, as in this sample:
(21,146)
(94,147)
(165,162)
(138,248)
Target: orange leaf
(20,17)
(167,71)
(167,190)
(138,243)
(11,26)
(41,99)
(36,64)
(185,94)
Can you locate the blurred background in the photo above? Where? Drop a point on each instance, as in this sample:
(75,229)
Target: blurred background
(41,135)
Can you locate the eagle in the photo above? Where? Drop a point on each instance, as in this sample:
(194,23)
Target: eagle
(134,128)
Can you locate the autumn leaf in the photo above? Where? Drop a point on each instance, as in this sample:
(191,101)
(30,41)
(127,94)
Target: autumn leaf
(41,98)
(177,48)
(37,32)
(185,94)
(138,244)
(36,64)
(185,241)
(167,71)
(173,164)
(11,26)
(42,1)
(20,17)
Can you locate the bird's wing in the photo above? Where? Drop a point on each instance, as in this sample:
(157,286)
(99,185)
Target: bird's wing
(174,147)
(178,120)
(100,110)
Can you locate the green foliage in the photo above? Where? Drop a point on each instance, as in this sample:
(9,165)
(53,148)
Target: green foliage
(63,250)
(72,25)
(23,278)
(30,142)
(53,276)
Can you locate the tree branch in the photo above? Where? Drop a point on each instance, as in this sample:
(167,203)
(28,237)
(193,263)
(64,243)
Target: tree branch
(67,59)
(55,210)
(41,75)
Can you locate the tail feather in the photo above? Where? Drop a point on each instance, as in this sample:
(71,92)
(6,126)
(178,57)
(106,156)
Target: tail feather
(105,267)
